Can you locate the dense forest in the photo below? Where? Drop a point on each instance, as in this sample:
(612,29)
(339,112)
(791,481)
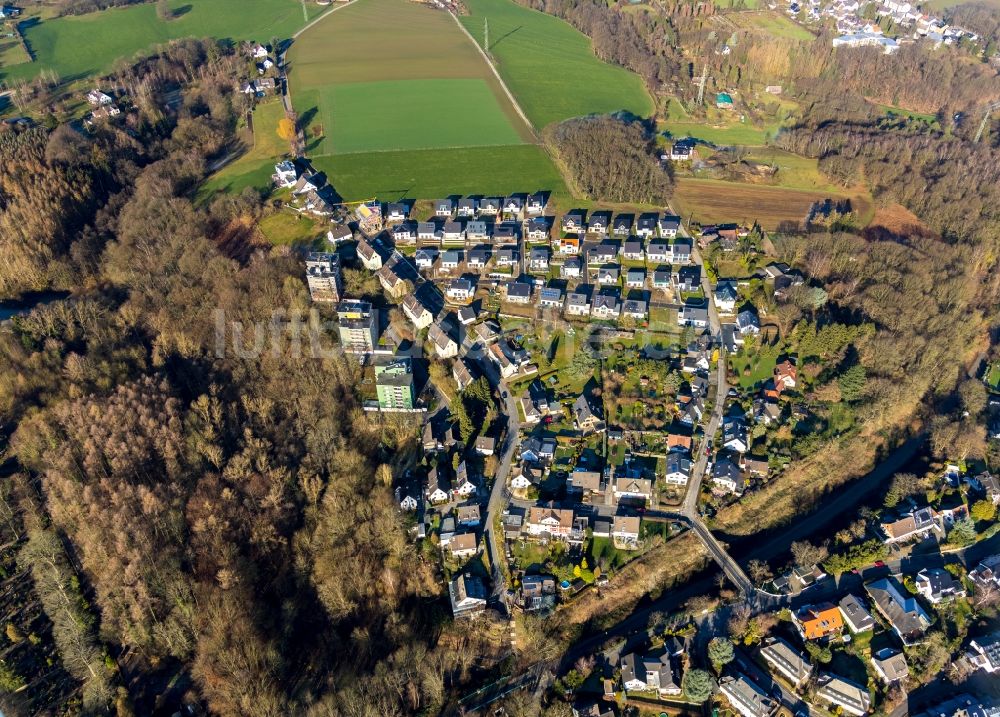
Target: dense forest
(198,526)
(611,159)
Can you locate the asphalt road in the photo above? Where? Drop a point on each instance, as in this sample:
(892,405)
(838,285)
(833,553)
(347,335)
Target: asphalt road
(508,407)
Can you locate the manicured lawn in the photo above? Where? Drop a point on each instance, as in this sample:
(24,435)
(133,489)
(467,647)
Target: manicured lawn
(414,114)
(761,363)
(551,67)
(82,45)
(429,174)
(396,75)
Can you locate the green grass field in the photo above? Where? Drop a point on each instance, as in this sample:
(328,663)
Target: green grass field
(551,67)
(430,174)
(255,166)
(773,23)
(413,114)
(727,133)
(398,102)
(395,75)
(83,45)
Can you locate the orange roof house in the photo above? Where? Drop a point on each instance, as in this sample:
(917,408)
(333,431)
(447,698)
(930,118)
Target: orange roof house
(819,621)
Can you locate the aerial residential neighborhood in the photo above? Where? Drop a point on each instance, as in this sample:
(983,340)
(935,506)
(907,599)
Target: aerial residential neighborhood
(535,510)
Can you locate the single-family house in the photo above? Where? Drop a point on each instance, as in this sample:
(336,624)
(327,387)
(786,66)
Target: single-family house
(746,697)
(661,278)
(453,233)
(937,585)
(524,476)
(538,230)
(605,306)
(727,476)
(850,697)
(490,206)
(689,278)
(462,375)
(626,487)
(890,665)
(726,296)
(855,614)
(584,482)
(404,233)
(903,612)
(577,303)
(917,524)
(647,225)
(608,275)
(635,309)
(599,222)
(438,486)
(572,268)
(512,208)
(460,289)
(467,207)
(478,258)
(549,522)
(477,230)
(984,653)
(428,232)
(444,208)
(986,575)
(668,226)
(451,259)
(536,203)
(658,252)
(286,174)
(463,485)
(568,245)
(587,420)
(625,529)
(505,256)
(734,434)
(786,374)
(550,297)
(649,674)
(467,594)
(425,258)
(747,322)
(96,98)
(678,468)
(396,212)
(538,259)
(635,278)
(486,445)
(507,367)
(444,345)
(622,225)
(463,545)
(816,622)
(574,222)
(417,312)
(788,661)
(680,151)
(602,254)
(680,250)
(519,292)
(632,250)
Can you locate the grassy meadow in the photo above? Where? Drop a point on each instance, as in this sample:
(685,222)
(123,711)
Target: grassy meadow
(430,174)
(254,167)
(413,114)
(773,23)
(83,45)
(395,75)
(398,102)
(550,67)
